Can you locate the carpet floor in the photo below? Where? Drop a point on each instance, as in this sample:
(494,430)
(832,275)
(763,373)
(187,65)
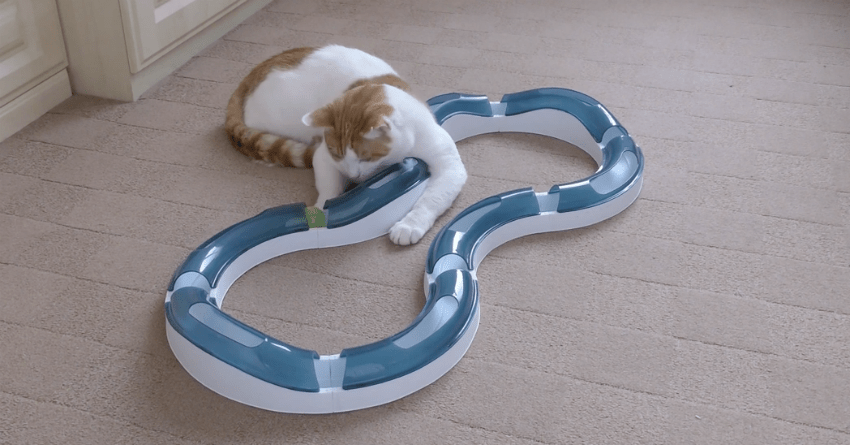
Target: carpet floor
(715,310)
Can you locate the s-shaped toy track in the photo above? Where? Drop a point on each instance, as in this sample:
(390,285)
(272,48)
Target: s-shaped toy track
(246,365)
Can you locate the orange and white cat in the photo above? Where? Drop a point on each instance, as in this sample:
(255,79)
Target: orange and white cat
(346,114)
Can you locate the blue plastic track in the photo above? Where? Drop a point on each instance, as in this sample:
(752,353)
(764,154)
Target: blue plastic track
(448,105)
(452,298)
(194,315)
(211,258)
(361,201)
(462,234)
(239,345)
(394,357)
(621,167)
(586,109)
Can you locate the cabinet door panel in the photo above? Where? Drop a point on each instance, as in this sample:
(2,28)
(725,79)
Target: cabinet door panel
(31,46)
(155,26)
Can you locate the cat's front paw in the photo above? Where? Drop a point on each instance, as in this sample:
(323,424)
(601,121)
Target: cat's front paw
(406,232)
(320,203)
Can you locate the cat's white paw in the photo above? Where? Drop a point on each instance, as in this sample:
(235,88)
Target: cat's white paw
(320,203)
(405,232)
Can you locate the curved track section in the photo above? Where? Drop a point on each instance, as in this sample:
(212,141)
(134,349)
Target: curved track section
(243,364)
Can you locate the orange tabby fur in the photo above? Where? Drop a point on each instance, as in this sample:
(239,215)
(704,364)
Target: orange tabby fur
(346,114)
(259,145)
(351,116)
(348,118)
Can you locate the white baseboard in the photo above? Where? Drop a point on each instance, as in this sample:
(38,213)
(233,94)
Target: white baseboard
(29,106)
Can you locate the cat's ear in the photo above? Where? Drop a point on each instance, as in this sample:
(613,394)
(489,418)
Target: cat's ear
(379,131)
(319,118)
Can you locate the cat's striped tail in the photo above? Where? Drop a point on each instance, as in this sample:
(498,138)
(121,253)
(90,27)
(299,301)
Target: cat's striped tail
(260,145)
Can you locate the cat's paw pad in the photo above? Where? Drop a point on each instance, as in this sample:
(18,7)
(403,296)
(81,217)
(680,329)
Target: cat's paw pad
(404,233)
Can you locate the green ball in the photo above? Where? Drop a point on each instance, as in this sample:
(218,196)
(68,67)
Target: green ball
(315,217)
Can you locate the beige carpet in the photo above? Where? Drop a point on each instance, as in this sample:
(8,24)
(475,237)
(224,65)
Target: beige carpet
(715,310)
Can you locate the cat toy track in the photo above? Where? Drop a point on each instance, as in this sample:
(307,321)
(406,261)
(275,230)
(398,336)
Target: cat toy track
(243,364)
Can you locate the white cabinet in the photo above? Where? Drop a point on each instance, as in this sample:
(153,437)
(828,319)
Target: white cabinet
(32,62)
(120,48)
(154,26)
(115,48)
(31,47)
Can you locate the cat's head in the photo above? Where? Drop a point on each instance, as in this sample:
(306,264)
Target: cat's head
(358,129)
